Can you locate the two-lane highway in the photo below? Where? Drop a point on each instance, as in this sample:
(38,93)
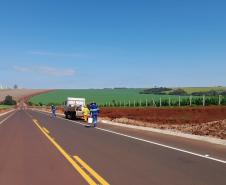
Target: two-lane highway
(27,158)
(38,149)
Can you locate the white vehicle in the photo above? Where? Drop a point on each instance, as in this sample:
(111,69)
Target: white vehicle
(73,107)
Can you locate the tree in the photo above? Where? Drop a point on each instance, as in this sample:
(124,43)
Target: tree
(9,101)
(159,90)
(30,103)
(178,92)
(15,86)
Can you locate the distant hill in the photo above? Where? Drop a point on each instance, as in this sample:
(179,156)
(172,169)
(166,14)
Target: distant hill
(196,91)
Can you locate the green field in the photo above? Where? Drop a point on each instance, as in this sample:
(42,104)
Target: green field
(190,90)
(101,96)
(5,106)
(106,96)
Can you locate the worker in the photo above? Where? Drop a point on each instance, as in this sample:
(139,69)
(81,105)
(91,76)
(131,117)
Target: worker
(94,110)
(53,110)
(85,113)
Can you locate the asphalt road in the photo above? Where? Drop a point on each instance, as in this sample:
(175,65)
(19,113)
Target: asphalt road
(38,149)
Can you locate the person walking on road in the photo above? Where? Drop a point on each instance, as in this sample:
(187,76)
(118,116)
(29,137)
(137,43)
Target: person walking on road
(85,113)
(53,111)
(94,110)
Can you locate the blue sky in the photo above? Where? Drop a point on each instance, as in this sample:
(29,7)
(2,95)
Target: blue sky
(96,44)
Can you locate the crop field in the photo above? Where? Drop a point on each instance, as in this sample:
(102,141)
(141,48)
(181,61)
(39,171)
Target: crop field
(101,96)
(110,96)
(17,94)
(203,89)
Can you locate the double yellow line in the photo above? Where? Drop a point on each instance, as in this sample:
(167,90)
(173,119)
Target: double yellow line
(78,163)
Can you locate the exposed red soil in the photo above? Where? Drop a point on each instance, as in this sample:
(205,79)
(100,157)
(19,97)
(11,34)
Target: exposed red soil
(205,121)
(4,110)
(168,115)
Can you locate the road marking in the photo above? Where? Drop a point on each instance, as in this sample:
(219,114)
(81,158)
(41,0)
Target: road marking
(66,155)
(165,146)
(30,116)
(4,113)
(90,170)
(6,118)
(155,143)
(46,130)
(148,141)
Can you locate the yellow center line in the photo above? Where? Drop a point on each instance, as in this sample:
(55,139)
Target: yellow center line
(90,170)
(66,155)
(46,130)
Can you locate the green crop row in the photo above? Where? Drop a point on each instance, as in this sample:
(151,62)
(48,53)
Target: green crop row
(124,97)
(180,101)
(100,96)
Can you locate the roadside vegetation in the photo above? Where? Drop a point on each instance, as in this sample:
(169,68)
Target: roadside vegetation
(5,106)
(7,103)
(123,97)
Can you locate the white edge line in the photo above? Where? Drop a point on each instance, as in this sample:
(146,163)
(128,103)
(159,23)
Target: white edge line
(165,146)
(4,113)
(208,139)
(151,142)
(7,118)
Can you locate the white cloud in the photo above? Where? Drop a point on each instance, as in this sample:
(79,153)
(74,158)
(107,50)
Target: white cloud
(43,53)
(45,70)
(56,72)
(21,69)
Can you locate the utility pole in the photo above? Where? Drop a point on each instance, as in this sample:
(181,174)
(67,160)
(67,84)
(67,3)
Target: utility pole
(203,101)
(219,100)
(154,105)
(190,100)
